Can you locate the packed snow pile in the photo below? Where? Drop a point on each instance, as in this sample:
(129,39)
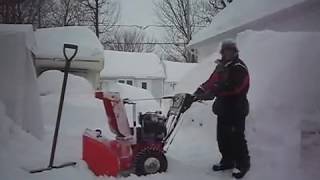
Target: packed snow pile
(26,29)
(81,110)
(6,124)
(132,64)
(50,43)
(175,71)
(15,145)
(19,91)
(51,83)
(283,95)
(20,152)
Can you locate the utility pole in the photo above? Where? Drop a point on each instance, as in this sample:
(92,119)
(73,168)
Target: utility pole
(188,21)
(189,31)
(96,14)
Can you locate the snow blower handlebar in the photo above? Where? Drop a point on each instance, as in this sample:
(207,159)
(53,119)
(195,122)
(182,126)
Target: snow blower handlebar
(181,103)
(147,99)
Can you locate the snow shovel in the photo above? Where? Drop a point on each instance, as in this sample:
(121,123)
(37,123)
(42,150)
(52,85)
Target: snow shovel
(56,131)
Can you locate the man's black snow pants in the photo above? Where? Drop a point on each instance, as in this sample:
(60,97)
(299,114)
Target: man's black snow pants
(231,140)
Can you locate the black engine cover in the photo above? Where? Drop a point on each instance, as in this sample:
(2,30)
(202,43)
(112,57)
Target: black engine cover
(153,126)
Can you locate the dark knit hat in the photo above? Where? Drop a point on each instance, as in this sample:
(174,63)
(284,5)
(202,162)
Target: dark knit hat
(229,44)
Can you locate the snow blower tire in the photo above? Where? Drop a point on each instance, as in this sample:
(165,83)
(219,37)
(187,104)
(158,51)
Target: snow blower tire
(150,161)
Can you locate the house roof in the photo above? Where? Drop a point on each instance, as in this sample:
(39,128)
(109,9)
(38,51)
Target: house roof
(27,29)
(175,71)
(239,13)
(50,43)
(132,64)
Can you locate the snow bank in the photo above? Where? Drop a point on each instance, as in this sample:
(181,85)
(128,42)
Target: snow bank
(51,83)
(19,91)
(50,43)
(80,102)
(197,75)
(132,64)
(287,64)
(6,124)
(12,146)
(20,152)
(239,13)
(175,71)
(283,94)
(27,29)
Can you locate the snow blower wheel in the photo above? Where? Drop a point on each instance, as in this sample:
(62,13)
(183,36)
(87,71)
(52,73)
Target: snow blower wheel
(150,161)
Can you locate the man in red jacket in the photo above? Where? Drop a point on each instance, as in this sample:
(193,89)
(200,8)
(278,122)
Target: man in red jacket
(229,85)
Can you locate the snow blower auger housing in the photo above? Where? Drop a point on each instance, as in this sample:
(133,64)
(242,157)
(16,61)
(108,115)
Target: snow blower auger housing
(139,149)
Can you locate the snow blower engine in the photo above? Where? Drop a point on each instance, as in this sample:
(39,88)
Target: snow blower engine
(139,149)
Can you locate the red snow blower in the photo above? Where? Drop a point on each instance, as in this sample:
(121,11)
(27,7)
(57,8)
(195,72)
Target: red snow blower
(139,149)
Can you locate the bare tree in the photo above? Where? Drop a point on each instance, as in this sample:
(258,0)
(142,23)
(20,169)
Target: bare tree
(206,12)
(63,13)
(130,40)
(219,4)
(101,14)
(182,19)
(18,11)
(38,12)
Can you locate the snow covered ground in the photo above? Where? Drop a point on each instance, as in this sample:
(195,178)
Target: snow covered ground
(284,97)
(21,151)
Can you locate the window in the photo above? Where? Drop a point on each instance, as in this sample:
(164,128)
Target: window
(126,81)
(144,85)
(130,82)
(172,85)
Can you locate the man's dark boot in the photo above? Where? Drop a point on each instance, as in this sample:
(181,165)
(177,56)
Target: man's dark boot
(222,166)
(242,171)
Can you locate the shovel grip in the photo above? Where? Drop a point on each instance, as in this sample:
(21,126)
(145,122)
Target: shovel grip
(70,46)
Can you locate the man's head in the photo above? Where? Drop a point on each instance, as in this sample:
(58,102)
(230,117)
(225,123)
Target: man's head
(229,50)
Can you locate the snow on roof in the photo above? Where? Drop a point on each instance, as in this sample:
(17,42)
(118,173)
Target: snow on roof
(50,42)
(27,29)
(239,13)
(131,92)
(132,64)
(175,71)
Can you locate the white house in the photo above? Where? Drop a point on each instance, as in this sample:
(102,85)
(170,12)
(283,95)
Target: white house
(277,15)
(49,54)
(143,70)
(175,71)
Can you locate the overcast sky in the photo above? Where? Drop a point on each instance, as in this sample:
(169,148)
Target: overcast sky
(140,12)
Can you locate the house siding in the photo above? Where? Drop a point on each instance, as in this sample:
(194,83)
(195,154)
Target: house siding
(155,86)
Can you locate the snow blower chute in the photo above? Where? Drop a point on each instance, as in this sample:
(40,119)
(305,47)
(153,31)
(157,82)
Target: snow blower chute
(138,149)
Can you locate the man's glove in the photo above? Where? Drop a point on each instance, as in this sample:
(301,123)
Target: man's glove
(195,98)
(198,92)
(196,95)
